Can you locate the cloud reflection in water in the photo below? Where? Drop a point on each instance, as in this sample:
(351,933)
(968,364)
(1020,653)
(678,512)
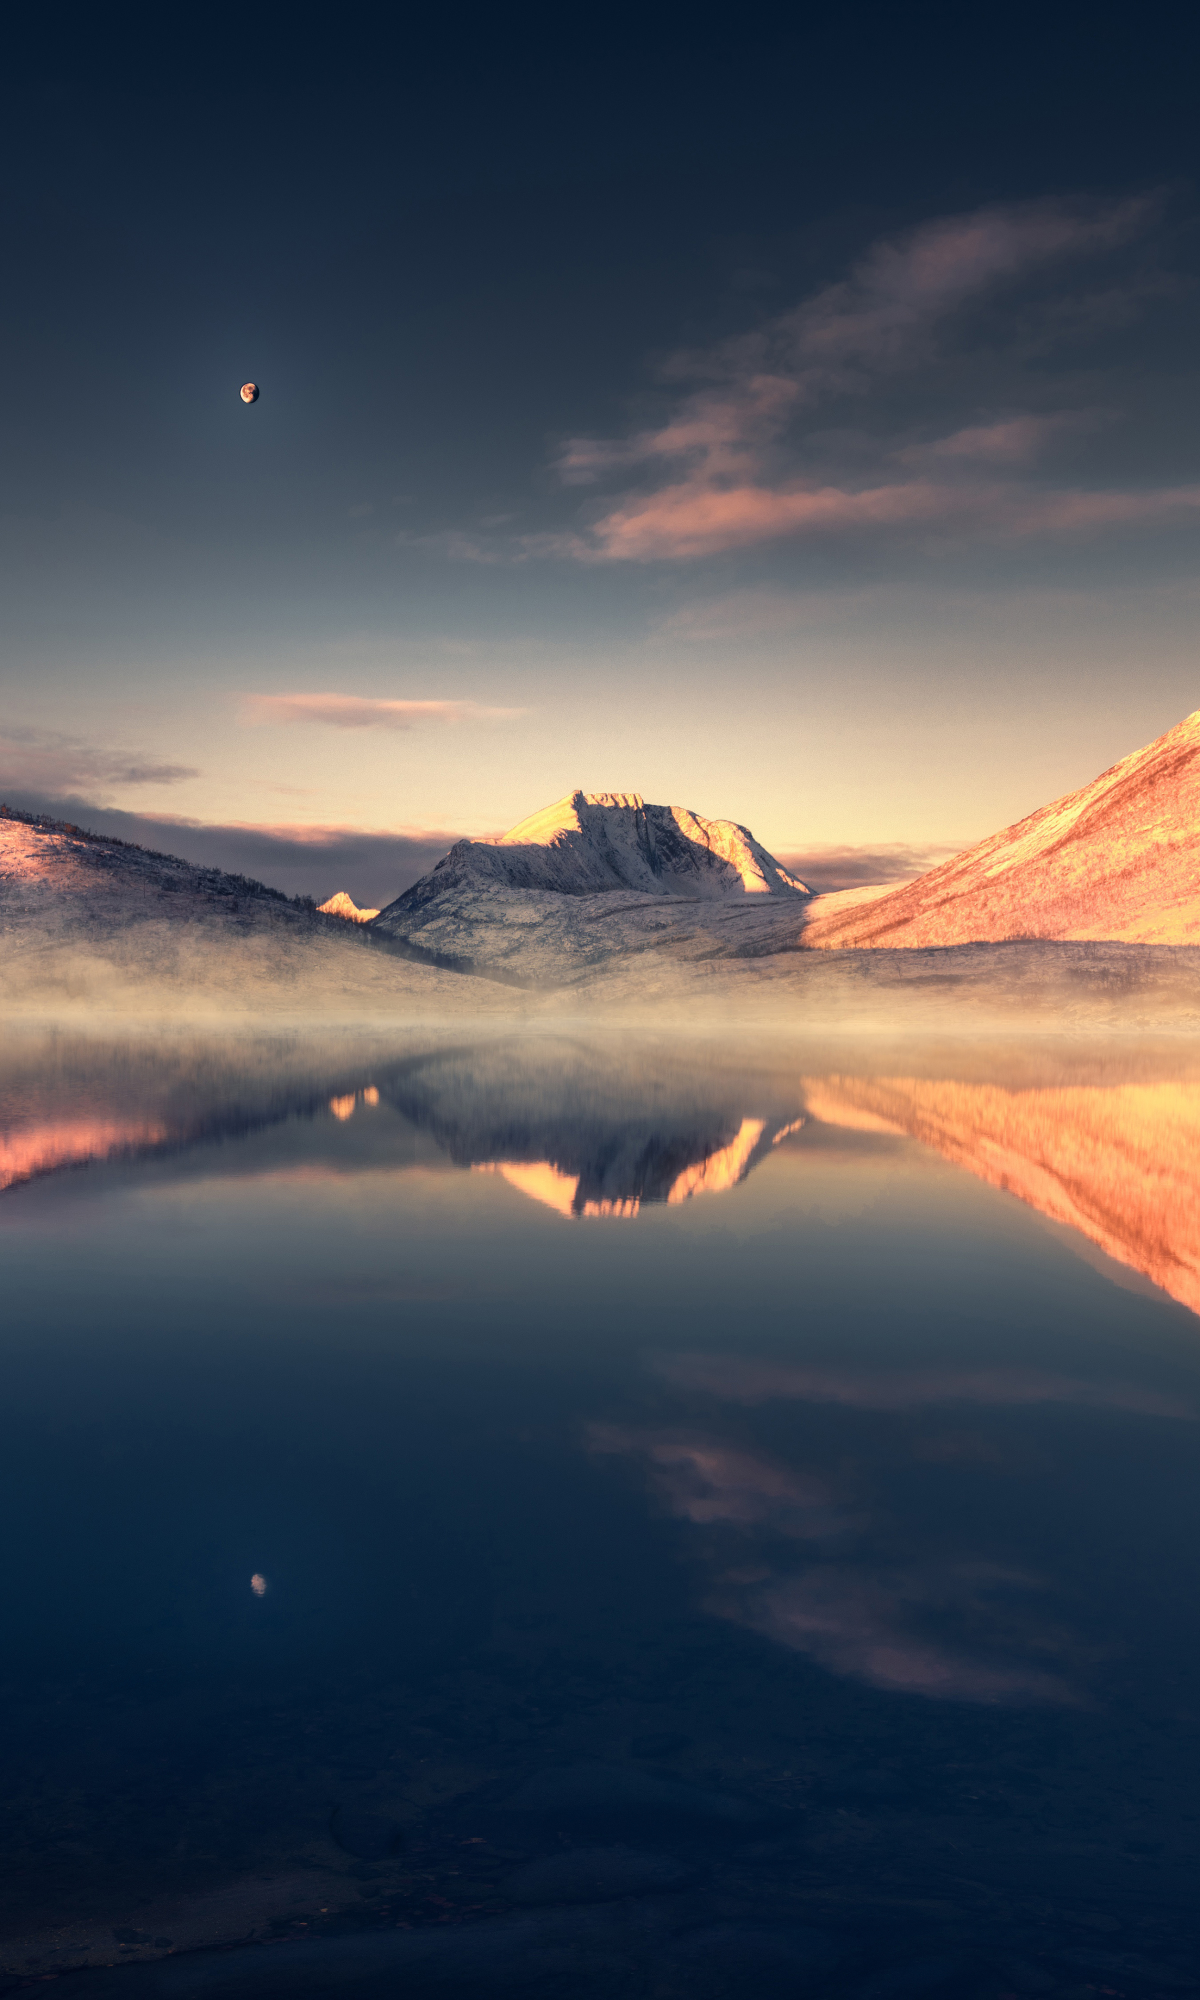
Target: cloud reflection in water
(880,1622)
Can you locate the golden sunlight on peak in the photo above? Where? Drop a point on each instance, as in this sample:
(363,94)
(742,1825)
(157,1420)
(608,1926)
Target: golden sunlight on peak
(343,1107)
(546,1183)
(538,1179)
(345,906)
(720,1171)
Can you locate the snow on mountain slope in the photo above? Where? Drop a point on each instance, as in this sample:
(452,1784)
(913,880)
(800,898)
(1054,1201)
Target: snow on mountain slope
(53,872)
(593,877)
(591,842)
(344,905)
(1118,860)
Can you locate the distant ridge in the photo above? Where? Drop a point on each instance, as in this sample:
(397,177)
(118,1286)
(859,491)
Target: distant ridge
(1118,860)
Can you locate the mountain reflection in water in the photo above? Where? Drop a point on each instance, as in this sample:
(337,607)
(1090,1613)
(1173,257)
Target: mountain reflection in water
(1119,1163)
(593,1133)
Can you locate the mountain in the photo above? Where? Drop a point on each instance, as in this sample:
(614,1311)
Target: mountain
(594,1133)
(590,878)
(591,842)
(1118,860)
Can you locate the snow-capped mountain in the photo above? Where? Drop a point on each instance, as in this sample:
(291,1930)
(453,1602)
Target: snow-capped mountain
(1117,860)
(590,842)
(589,878)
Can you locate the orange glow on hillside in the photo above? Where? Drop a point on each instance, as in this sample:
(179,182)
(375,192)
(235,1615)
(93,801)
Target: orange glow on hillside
(720,1171)
(41,1148)
(1119,1165)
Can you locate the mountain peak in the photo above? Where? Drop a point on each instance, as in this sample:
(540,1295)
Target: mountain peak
(344,905)
(589,843)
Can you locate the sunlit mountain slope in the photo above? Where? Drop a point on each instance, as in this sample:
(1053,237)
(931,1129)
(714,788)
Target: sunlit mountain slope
(1118,860)
(590,842)
(344,905)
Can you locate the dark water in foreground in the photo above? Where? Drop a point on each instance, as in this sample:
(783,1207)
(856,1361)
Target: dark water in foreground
(566,1522)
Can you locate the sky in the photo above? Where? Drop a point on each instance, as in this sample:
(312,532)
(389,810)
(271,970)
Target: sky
(791,416)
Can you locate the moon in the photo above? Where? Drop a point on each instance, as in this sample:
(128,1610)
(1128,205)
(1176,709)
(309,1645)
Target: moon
(249,392)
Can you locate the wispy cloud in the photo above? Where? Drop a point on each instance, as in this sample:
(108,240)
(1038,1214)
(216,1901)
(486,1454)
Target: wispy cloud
(1017,441)
(867,1626)
(707,1482)
(745,1381)
(698,517)
(356,711)
(831,868)
(47,760)
(739,461)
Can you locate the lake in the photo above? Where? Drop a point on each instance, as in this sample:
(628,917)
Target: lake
(560,1514)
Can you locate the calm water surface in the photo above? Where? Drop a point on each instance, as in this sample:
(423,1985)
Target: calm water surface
(518,1519)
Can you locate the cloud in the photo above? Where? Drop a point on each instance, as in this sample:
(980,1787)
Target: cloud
(696,518)
(301,860)
(1015,441)
(827,869)
(356,711)
(744,1381)
(735,463)
(47,760)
